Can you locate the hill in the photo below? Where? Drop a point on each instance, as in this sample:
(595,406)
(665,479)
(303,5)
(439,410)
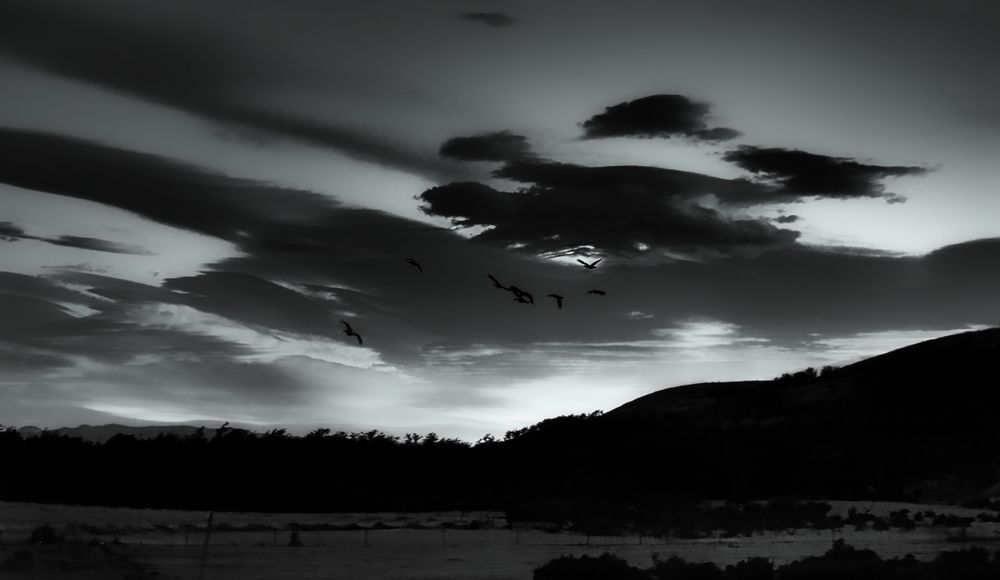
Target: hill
(914,424)
(952,379)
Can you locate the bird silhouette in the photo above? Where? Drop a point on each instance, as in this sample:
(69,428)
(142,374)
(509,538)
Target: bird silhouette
(520,295)
(415,264)
(597,292)
(591,265)
(558,298)
(521,298)
(496,283)
(349,331)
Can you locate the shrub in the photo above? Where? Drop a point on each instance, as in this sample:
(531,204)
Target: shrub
(43,534)
(603,567)
(675,568)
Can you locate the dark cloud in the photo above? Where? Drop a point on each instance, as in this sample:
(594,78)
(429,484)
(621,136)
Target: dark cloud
(787,219)
(39,287)
(172,193)
(257,302)
(10,233)
(657,116)
(19,311)
(188,65)
(342,262)
(797,173)
(627,211)
(685,184)
(491,19)
(496,146)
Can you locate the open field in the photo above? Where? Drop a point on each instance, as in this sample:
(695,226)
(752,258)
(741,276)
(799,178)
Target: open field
(438,545)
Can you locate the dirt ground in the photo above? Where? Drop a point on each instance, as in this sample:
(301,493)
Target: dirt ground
(154,544)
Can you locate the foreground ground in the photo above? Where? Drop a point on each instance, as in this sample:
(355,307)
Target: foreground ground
(109,543)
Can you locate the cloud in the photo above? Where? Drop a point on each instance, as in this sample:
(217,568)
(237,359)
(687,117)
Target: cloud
(795,173)
(663,115)
(491,19)
(10,232)
(192,67)
(496,146)
(46,289)
(787,219)
(173,193)
(624,210)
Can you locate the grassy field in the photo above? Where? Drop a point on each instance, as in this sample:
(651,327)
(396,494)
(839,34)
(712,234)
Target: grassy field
(136,543)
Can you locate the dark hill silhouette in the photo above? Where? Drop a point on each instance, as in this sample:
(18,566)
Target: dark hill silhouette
(919,423)
(954,377)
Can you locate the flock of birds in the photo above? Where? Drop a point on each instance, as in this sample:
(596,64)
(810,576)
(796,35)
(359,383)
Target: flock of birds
(522,296)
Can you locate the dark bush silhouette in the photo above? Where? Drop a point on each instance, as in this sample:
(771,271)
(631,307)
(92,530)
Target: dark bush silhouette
(675,568)
(603,567)
(43,534)
(841,562)
(751,569)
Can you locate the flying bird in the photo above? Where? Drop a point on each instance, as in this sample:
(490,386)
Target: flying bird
(496,283)
(521,294)
(558,298)
(520,298)
(591,265)
(597,292)
(415,264)
(350,331)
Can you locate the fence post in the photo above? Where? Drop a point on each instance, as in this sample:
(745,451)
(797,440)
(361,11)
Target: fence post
(204,548)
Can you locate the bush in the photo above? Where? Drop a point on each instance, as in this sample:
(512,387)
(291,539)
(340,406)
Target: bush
(751,569)
(675,568)
(603,567)
(43,534)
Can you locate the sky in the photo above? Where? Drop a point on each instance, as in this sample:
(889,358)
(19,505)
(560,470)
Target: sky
(195,197)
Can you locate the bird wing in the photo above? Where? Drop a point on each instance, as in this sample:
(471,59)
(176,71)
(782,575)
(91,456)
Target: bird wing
(359,338)
(495,281)
(597,262)
(347,327)
(582,262)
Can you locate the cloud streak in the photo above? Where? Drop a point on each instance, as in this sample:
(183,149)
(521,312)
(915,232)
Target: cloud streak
(496,146)
(190,68)
(663,115)
(794,173)
(10,233)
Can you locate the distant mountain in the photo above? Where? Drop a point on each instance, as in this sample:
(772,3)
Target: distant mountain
(921,422)
(955,377)
(101,433)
